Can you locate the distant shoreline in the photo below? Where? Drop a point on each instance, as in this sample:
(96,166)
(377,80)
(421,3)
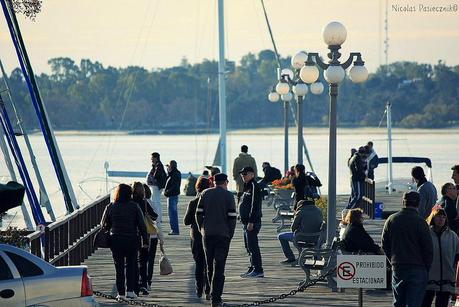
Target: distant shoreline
(262,131)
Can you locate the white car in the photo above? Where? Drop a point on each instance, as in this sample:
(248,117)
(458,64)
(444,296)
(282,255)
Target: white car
(26,280)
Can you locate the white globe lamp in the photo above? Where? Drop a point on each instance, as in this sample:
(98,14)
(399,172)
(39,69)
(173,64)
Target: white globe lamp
(334,74)
(309,74)
(273,97)
(300,89)
(317,88)
(282,88)
(299,59)
(287,97)
(334,34)
(358,74)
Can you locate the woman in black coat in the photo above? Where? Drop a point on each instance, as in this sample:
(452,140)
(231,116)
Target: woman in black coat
(356,239)
(448,202)
(124,220)
(197,249)
(299,182)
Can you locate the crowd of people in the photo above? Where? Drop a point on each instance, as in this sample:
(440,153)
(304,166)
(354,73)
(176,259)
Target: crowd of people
(420,241)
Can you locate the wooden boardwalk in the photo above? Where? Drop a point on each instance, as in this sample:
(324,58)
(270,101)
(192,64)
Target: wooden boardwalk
(178,289)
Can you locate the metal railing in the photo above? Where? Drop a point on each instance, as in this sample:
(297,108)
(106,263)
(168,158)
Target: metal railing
(368,200)
(70,241)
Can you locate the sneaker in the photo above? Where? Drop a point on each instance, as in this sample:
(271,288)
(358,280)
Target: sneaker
(254,274)
(246,273)
(287,261)
(172,233)
(143,291)
(120,297)
(131,295)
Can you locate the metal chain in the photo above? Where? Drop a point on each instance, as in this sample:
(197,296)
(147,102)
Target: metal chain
(255,303)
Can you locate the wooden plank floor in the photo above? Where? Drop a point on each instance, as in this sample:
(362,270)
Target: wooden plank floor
(178,289)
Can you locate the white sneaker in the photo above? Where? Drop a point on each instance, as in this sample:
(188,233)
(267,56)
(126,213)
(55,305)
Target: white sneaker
(120,297)
(131,295)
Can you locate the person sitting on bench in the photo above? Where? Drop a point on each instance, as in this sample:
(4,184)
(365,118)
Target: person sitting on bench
(308,218)
(356,239)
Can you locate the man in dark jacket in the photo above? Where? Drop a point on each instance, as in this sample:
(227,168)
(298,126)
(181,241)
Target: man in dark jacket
(372,160)
(357,169)
(172,192)
(407,243)
(216,218)
(308,218)
(250,214)
(156,180)
(271,173)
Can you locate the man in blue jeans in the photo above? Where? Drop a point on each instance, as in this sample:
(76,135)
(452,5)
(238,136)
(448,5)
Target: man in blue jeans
(407,243)
(308,219)
(172,192)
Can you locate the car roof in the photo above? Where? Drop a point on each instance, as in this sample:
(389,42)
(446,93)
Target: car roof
(37,260)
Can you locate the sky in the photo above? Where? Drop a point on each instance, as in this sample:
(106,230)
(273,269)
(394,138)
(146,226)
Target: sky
(159,33)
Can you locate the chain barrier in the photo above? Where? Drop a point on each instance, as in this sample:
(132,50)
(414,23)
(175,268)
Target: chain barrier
(254,303)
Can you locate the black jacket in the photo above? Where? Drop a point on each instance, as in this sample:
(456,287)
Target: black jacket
(406,240)
(125,219)
(144,205)
(157,176)
(190,219)
(250,203)
(174,179)
(300,184)
(451,212)
(356,239)
(271,174)
(357,168)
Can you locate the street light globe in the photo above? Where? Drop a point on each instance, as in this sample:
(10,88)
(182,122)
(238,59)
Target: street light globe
(273,97)
(299,59)
(334,74)
(309,74)
(287,72)
(300,89)
(317,88)
(282,88)
(287,97)
(334,34)
(358,74)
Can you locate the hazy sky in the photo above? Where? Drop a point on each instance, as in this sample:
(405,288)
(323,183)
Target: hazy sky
(159,33)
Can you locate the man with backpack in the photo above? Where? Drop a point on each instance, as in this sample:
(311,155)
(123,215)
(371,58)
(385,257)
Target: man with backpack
(156,180)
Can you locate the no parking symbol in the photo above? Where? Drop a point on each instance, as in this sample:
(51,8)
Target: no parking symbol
(346,270)
(361,271)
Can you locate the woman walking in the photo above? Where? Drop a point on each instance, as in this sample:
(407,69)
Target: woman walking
(124,220)
(202,284)
(442,274)
(138,196)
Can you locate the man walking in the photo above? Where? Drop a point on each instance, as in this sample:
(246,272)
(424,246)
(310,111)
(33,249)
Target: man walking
(244,159)
(427,192)
(357,169)
(172,192)
(156,180)
(216,219)
(250,214)
(407,243)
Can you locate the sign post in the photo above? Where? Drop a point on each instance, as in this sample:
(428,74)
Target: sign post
(361,272)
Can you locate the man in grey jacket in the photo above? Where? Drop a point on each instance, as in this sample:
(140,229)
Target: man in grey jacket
(407,243)
(427,192)
(216,219)
(308,219)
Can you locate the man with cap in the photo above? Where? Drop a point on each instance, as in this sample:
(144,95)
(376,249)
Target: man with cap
(216,219)
(172,192)
(408,245)
(427,192)
(357,170)
(250,214)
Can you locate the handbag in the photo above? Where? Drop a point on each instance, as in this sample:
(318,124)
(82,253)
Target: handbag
(165,267)
(102,237)
(149,223)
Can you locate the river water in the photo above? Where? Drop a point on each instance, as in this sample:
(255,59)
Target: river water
(85,153)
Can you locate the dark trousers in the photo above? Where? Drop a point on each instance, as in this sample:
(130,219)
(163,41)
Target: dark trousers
(151,258)
(238,196)
(142,262)
(216,249)
(408,286)
(200,271)
(251,244)
(357,191)
(124,251)
(441,298)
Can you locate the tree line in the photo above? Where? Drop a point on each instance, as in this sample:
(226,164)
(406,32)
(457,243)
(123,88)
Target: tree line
(185,97)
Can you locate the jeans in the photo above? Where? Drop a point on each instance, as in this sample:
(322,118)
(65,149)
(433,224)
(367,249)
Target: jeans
(156,202)
(441,298)
(357,190)
(216,249)
(124,251)
(251,244)
(173,214)
(408,286)
(284,239)
(200,271)
(151,258)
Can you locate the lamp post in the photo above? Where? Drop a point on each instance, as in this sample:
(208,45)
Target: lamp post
(334,35)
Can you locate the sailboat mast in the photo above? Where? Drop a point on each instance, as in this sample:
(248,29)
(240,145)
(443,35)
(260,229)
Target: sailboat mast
(389,147)
(221,85)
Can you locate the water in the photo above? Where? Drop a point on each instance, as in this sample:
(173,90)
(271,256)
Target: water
(85,153)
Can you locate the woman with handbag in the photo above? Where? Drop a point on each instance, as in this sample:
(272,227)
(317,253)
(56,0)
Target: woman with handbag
(202,284)
(138,196)
(124,220)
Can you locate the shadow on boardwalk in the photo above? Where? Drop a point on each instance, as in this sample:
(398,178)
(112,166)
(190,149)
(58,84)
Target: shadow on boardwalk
(178,289)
